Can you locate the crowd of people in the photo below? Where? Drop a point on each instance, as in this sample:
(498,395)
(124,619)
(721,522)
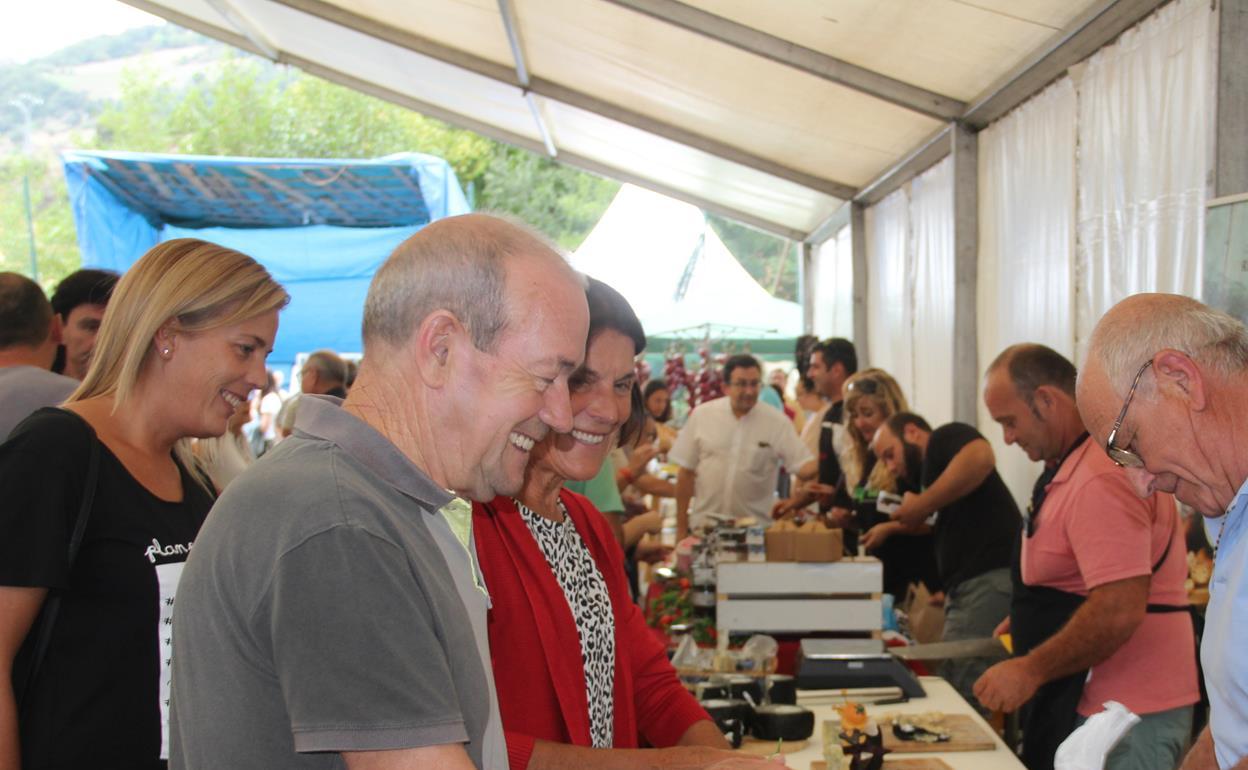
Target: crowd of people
(430,564)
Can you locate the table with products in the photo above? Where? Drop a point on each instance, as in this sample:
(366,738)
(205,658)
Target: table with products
(941,697)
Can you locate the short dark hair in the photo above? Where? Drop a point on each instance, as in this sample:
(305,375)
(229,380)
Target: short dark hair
(651,388)
(740,361)
(608,309)
(330,365)
(25,314)
(898,422)
(837,350)
(83,287)
(1031,365)
(801,357)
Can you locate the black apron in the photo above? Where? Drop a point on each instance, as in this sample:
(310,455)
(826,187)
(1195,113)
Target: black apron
(906,558)
(1036,614)
(830,472)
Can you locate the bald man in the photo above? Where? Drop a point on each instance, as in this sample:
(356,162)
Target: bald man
(334,615)
(1165,392)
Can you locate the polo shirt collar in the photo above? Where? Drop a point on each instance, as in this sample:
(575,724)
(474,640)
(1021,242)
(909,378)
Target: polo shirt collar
(323,417)
(1072,462)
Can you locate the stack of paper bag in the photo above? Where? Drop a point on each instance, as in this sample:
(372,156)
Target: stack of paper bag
(812,541)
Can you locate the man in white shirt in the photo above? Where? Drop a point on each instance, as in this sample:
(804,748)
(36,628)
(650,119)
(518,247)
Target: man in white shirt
(731,450)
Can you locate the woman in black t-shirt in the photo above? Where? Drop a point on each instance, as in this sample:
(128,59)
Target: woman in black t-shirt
(183,341)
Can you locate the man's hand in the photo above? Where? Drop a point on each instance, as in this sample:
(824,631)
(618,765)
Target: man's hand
(782,508)
(878,535)
(1202,756)
(1002,628)
(641,455)
(651,551)
(911,510)
(1008,685)
(650,522)
(822,490)
(840,517)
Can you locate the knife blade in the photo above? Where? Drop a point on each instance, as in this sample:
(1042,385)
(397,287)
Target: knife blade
(963,648)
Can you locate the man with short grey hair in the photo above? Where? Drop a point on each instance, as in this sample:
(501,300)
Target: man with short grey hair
(1165,392)
(324,374)
(334,606)
(29,335)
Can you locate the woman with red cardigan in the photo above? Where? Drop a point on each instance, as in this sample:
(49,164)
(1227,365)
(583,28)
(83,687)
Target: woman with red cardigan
(581,680)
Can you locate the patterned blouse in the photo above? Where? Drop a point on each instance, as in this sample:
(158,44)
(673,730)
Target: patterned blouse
(586,591)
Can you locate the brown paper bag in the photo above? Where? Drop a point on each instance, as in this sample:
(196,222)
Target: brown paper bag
(780,541)
(927,621)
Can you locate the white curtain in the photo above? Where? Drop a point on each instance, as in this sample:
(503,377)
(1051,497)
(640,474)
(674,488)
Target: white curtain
(910,290)
(890,294)
(834,286)
(931,227)
(1145,111)
(1027,245)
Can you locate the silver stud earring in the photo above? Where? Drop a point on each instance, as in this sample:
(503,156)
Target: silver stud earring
(165,352)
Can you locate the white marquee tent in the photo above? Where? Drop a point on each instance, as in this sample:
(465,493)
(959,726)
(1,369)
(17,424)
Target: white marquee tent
(663,256)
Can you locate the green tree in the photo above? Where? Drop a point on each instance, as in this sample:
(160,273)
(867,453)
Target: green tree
(770,259)
(562,202)
(55,238)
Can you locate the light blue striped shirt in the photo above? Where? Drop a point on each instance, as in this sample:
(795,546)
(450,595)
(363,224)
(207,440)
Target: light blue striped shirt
(1224,651)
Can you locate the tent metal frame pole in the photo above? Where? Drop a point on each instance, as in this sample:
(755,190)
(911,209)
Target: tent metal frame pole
(964,146)
(807,276)
(807,60)
(1091,31)
(831,226)
(861,277)
(522,74)
(565,95)
(574,160)
(932,151)
(246,27)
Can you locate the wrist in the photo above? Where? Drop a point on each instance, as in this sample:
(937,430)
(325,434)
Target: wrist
(626,475)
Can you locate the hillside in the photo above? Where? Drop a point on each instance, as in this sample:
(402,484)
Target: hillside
(67,90)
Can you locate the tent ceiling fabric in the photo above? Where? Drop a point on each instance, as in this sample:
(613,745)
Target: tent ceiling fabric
(703,109)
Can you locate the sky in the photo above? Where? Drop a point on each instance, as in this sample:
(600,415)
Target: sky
(34,29)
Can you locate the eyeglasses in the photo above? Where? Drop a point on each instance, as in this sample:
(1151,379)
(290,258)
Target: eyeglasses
(1125,458)
(866,386)
(745,384)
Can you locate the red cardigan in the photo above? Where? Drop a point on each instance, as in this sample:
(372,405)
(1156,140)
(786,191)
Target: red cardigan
(536,652)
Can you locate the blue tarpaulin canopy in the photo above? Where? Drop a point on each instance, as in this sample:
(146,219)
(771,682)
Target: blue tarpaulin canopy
(321,227)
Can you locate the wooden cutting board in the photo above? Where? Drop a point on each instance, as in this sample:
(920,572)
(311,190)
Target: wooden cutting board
(910,763)
(965,734)
(767,748)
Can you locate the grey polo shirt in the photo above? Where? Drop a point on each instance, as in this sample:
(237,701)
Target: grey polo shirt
(23,389)
(331,603)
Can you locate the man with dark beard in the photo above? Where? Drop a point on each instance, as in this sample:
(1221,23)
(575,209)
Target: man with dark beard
(976,520)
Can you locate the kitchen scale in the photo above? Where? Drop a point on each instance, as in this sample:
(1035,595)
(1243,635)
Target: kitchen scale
(844,664)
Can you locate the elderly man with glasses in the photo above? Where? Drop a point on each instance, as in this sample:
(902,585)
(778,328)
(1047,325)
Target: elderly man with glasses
(1165,391)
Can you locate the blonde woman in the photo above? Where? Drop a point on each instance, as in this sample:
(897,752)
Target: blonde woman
(182,344)
(908,554)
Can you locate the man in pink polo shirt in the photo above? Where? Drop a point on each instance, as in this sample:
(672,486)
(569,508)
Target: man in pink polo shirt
(1099,609)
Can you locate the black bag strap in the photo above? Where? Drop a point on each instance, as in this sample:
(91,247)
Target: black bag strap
(1158,609)
(47,618)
